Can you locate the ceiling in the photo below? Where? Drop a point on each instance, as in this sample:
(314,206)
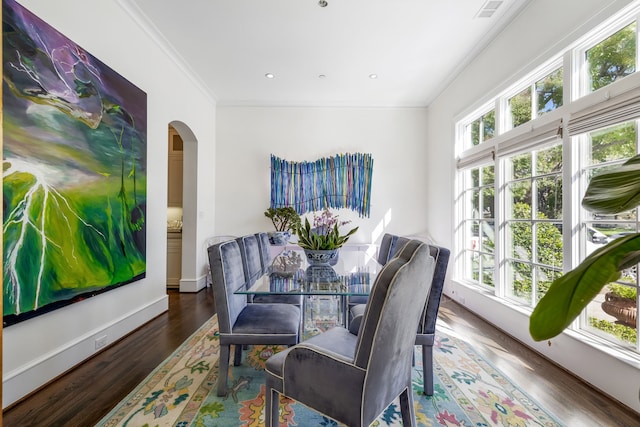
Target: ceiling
(324,56)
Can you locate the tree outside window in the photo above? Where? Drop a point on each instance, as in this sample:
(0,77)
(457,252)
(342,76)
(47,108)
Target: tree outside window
(606,314)
(523,107)
(532,189)
(482,128)
(534,223)
(479,229)
(612,58)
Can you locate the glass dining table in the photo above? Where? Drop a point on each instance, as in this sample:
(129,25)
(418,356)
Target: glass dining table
(325,289)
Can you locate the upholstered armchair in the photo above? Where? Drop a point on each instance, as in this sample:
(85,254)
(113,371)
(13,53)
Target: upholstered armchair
(370,369)
(427,325)
(239,322)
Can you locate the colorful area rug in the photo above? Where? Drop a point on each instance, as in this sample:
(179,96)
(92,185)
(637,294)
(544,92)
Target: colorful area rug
(469,391)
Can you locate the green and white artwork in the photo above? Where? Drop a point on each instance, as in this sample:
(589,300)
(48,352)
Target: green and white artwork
(74,171)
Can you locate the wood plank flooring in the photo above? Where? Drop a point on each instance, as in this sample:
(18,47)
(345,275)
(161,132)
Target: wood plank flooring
(87,393)
(571,400)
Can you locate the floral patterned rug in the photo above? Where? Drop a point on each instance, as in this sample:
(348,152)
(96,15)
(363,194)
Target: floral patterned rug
(181,392)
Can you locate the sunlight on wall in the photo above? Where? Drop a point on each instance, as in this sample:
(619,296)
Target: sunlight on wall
(377,233)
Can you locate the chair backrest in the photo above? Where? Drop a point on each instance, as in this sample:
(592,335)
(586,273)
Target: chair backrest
(210,242)
(387,334)
(250,252)
(427,323)
(227,274)
(397,245)
(385,248)
(265,255)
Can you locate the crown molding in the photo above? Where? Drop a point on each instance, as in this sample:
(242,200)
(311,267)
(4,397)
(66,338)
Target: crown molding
(161,41)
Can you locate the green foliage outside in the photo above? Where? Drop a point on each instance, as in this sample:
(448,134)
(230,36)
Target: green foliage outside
(537,176)
(622,332)
(483,128)
(549,91)
(549,252)
(623,291)
(613,143)
(548,97)
(520,106)
(613,58)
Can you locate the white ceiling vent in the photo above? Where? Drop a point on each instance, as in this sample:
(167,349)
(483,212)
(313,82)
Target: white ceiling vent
(488,9)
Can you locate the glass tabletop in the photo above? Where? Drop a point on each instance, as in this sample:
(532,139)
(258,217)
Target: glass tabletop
(290,273)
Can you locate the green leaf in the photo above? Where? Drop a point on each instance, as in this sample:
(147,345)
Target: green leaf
(616,190)
(570,294)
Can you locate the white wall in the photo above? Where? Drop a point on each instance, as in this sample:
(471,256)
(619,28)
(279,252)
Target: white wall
(246,137)
(38,350)
(545,27)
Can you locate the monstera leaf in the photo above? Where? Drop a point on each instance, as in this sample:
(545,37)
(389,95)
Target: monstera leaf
(610,192)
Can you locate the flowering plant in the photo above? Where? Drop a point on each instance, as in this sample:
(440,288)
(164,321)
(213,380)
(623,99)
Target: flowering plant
(325,233)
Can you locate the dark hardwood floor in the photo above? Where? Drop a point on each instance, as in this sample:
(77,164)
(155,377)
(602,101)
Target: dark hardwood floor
(81,397)
(87,393)
(571,400)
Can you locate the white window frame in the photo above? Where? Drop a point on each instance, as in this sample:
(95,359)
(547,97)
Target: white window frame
(580,86)
(579,108)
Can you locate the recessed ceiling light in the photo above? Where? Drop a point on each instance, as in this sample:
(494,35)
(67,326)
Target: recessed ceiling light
(269,75)
(323,3)
(322,76)
(373,76)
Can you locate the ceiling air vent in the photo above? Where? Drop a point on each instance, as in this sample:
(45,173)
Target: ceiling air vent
(488,9)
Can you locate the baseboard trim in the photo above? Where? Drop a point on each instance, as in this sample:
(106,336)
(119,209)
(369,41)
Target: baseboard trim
(193,285)
(27,379)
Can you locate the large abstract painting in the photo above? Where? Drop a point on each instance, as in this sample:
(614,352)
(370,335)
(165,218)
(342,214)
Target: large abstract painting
(74,171)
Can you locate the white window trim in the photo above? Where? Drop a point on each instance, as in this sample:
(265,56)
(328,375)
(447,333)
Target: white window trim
(579,88)
(547,128)
(616,103)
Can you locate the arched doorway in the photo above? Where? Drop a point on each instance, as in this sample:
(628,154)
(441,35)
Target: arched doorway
(174,208)
(182,207)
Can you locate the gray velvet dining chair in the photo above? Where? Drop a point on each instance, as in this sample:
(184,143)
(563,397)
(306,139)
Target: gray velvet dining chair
(397,245)
(384,252)
(427,326)
(239,322)
(252,259)
(250,252)
(372,368)
(265,251)
(389,247)
(385,248)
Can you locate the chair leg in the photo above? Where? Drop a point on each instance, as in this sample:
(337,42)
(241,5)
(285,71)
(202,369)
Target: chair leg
(406,407)
(271,407)
(427,369)
(223,369)
(237,355)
